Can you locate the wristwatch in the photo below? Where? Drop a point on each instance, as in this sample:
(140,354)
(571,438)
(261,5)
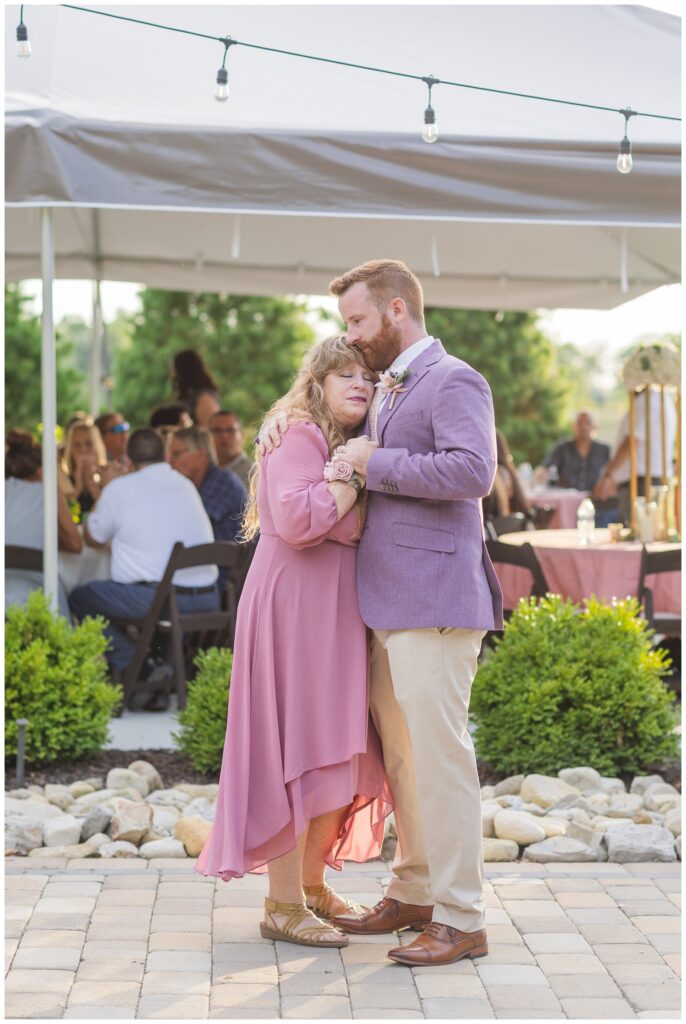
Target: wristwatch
(357,481)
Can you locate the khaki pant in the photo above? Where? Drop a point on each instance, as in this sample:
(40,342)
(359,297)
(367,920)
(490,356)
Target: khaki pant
(420,687)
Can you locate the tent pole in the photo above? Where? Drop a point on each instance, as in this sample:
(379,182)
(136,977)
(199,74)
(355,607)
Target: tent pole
(96,343)
(49,411)
(96,350)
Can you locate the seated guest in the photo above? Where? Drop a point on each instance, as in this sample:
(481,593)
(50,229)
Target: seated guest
(579,461)
(114,431)
(84,459)
(191,452)
(507,494)
(168,418)
(227,434)
(24,498)
(195,386)
(143,514)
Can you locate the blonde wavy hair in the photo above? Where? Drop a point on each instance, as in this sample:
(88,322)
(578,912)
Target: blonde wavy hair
(305,402)
(67,465)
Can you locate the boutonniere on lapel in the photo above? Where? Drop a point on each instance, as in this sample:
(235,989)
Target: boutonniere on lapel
(391,383)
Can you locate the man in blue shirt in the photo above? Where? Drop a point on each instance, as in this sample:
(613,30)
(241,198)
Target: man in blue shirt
(191,453)
(579,461)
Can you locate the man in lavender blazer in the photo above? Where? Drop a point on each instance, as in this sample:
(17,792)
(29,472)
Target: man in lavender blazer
(428,591)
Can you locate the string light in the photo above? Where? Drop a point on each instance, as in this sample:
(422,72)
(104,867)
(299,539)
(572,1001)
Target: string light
(23,44)
(624,159)
(430,132)
(221,93)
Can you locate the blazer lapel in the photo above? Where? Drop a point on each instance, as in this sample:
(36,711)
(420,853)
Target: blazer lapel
(418,368)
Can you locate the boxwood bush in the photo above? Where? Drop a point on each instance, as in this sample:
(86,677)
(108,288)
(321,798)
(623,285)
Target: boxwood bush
(569,685)
(57,678)
(203,720)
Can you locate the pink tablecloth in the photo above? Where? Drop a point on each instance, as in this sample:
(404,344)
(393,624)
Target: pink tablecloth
(565,502)
(602,569)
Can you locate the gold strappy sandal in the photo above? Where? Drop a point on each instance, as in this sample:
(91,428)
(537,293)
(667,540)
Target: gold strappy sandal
(324,898)
(294,914)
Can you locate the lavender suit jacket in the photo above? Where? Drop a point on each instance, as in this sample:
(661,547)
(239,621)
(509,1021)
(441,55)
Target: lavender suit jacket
(422,558)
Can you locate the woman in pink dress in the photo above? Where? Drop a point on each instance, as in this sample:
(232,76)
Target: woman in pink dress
(302,782)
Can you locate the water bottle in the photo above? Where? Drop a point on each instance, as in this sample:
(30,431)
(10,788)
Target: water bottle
(585,521)
(526,472)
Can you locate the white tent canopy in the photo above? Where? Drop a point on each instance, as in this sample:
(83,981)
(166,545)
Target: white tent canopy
(310,168)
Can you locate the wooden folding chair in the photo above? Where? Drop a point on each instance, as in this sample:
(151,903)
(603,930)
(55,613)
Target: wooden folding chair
(23,559)
(523,556)
(212,627)
(652,563)
(513,523)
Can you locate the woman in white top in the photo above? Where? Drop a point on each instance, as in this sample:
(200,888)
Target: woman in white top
(24,515)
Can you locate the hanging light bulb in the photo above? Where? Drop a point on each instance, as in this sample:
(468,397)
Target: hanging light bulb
(430,130)
(221,93)
(624,159)
(23,44)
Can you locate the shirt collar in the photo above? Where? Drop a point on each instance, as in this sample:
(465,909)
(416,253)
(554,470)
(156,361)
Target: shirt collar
(411,353)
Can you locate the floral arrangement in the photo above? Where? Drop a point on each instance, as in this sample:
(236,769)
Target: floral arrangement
(657,362)
(338,469)
(390,382)
(75,510)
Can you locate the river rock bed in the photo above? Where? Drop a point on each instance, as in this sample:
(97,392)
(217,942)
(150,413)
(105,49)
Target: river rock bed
(577,815)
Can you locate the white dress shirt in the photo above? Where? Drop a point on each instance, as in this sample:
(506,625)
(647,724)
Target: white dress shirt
(402,361)
(143,514)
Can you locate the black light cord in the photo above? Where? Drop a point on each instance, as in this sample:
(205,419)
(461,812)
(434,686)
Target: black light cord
(229,41)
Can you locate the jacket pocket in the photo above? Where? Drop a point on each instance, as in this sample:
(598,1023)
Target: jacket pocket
(407,536)
(411,417)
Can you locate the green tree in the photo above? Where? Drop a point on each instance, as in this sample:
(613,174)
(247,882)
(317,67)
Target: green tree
(251,345)
(520,364)
(23,367)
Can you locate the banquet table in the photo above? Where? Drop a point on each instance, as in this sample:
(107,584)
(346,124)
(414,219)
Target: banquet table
(602,569)
(89,564)
(564,500)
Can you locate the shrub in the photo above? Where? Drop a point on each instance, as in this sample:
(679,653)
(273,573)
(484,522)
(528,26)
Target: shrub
(56,677)
(569,685)
(203,720)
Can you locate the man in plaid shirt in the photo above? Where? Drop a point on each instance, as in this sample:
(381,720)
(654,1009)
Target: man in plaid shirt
(191,452)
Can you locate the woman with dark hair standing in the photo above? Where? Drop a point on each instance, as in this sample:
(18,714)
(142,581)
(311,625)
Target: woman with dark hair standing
(507,495)
(195,386)
(24,499)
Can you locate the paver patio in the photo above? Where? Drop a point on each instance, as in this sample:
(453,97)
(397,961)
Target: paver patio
(124,939)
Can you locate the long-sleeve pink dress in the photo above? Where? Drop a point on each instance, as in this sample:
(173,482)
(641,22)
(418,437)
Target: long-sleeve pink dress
(300,741)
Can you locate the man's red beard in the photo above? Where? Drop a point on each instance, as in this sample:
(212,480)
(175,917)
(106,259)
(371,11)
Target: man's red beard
(384,347)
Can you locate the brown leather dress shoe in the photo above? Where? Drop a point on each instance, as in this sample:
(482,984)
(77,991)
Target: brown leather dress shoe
(387,916)
(441,944)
